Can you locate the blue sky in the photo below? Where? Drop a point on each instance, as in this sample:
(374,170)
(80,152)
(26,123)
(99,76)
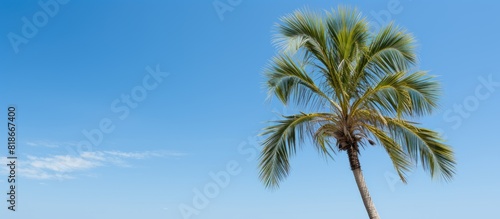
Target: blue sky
(171,94)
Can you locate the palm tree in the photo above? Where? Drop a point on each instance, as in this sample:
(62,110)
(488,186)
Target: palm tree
(361,87)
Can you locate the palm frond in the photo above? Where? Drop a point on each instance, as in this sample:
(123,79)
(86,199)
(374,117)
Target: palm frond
(288,80)
(402,94)
(424,146)
(323,139)
(281,143)
(302,29)
(391,51)
(348,31)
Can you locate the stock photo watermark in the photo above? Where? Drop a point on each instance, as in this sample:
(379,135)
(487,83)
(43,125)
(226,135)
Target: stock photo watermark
(203,196)
(12,157)
(384,16)
(32,24)
(483,91)
(121,107)
(224,6)
(218,181)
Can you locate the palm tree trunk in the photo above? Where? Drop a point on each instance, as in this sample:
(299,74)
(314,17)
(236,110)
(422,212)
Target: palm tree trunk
(360,181)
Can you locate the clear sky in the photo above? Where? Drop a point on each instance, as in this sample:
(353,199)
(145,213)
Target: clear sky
(149,109)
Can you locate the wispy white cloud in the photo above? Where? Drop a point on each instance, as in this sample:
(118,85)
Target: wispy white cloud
(61,163)
(47,144)
(34,173)
(143,155)
(61,167)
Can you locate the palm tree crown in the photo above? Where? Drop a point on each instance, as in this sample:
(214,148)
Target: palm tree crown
(365,88)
